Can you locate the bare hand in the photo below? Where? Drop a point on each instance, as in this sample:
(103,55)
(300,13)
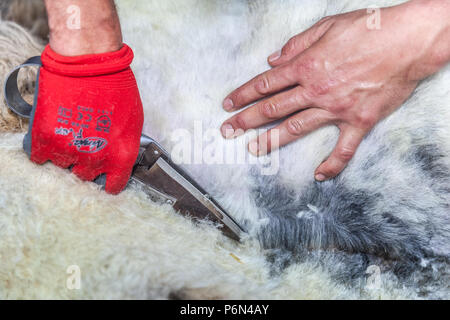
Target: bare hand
(342,72)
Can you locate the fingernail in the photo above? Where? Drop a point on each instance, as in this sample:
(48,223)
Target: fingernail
(275,56)
(227,131)
(253,147)
(228,104)
(320,177)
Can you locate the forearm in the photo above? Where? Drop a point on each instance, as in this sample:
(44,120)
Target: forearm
(434,21)
(79,27)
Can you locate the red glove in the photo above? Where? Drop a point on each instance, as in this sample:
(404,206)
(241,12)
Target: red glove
(88,113)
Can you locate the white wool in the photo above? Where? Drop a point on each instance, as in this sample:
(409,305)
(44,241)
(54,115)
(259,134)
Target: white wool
(128,247)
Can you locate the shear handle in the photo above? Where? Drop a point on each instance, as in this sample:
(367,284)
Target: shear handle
(13,98)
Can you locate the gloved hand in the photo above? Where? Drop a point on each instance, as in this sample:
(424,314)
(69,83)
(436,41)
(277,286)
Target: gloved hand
(88,113)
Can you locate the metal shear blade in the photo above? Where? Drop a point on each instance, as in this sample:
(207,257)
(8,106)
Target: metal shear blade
(166,182)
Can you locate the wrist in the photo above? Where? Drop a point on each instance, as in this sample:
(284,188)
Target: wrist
(93,39)
(86,28)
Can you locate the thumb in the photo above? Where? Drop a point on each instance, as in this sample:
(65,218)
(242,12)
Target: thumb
(301,42)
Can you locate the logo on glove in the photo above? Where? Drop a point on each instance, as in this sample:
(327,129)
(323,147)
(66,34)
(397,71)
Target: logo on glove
(84,145)
(88,145)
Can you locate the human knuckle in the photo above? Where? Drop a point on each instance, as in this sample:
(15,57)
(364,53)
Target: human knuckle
(306,95)
(366,119)
(262,85)
(296,126)
(320,88)
(301,97)
(289,47)
(345,153)
(304,67)
(269,109)
(339,106)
